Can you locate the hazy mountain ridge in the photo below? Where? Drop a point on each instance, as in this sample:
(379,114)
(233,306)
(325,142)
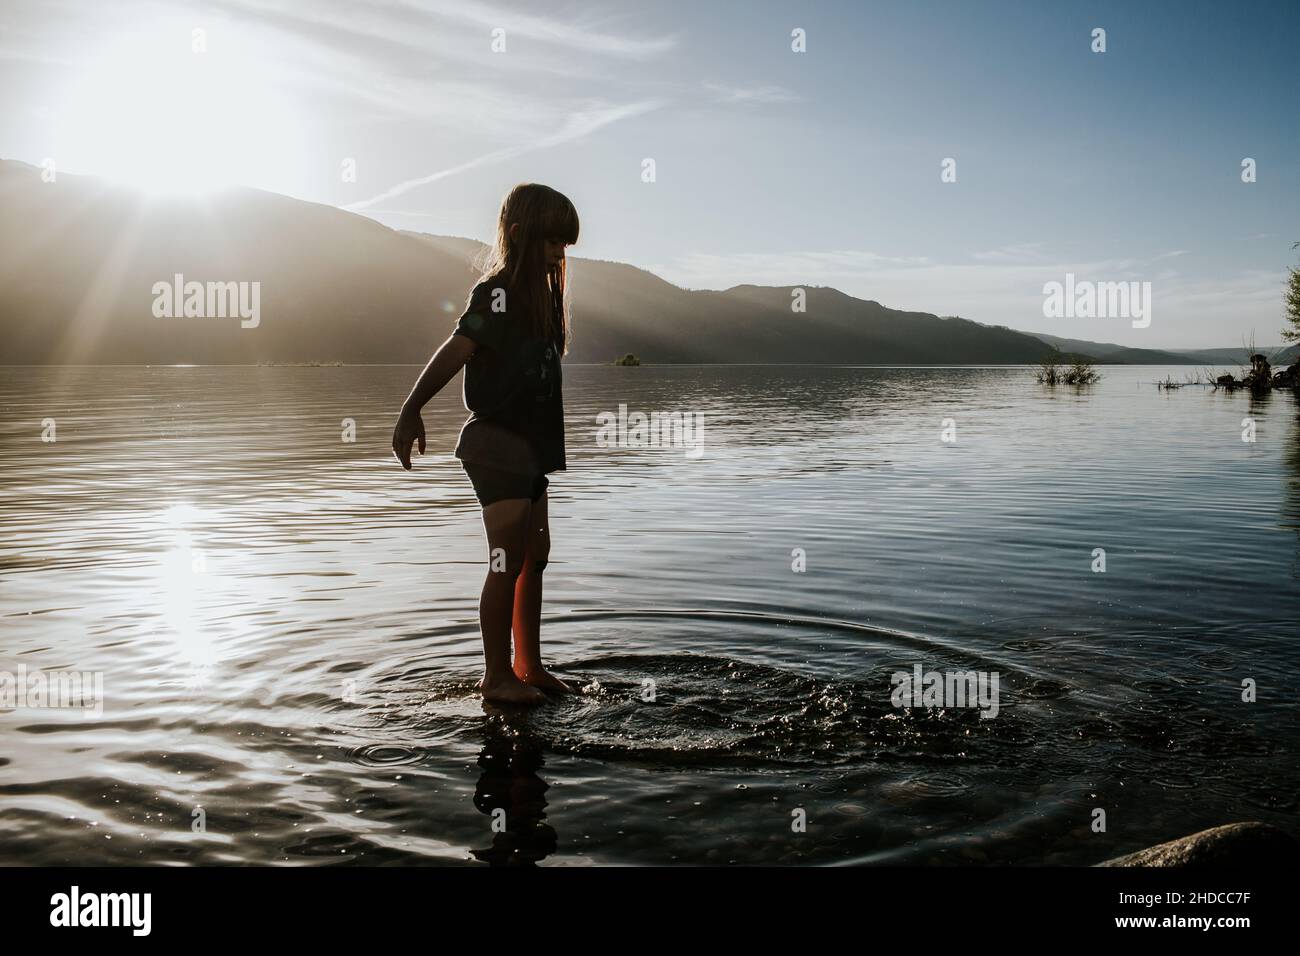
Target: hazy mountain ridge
(79,260)
(1123,354)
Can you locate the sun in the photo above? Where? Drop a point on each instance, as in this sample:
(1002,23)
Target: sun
(172,108)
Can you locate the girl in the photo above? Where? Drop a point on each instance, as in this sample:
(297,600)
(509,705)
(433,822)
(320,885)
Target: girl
(509,340)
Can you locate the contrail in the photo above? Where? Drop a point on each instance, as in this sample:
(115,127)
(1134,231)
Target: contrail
(577,126)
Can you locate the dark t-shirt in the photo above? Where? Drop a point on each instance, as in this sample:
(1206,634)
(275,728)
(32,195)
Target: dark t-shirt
(512,381)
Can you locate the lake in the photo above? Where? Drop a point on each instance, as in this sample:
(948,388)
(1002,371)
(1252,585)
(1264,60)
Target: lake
(285,622)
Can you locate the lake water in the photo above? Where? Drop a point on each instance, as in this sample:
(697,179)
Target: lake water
(285,622)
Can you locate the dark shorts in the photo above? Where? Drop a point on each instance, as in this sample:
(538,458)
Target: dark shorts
(493,484)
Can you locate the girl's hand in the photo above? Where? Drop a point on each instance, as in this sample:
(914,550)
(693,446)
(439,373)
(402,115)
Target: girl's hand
(410,428)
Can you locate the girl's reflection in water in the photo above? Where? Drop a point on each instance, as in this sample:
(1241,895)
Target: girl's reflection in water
(513,797)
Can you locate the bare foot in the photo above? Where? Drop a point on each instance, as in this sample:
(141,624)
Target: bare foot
(509,690)
(544,680)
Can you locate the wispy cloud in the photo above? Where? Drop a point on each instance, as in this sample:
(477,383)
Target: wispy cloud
(745,267)
(1023,268)
(1019,252)
(578,125)
(750,94)
(549,29)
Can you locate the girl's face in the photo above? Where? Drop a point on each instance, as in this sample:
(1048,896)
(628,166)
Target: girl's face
(553,250)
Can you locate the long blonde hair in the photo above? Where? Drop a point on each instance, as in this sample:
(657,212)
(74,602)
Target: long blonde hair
(536,289)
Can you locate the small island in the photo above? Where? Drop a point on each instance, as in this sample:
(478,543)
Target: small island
(628,359)
(1060,369)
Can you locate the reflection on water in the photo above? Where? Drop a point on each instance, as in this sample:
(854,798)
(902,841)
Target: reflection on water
(512,794)
(285,621)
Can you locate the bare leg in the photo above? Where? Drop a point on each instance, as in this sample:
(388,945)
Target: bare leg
(506,525)
(528,604)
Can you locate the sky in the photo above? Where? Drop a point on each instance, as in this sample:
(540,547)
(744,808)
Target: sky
(772,167)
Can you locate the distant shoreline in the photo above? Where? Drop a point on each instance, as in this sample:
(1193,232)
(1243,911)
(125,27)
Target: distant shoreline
(604,365)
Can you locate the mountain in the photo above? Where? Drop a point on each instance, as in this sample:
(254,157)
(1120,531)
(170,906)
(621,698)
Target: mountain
(1124,355)
(79,261)
(1095,349)
(621,308)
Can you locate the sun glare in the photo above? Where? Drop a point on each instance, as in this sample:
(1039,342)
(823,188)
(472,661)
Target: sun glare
(153,112)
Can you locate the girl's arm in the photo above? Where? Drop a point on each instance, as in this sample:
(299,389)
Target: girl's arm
(446,362)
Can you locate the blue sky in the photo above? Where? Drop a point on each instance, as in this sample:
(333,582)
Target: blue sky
(773,167)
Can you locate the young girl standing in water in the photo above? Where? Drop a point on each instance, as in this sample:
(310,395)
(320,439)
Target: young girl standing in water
(509,341)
